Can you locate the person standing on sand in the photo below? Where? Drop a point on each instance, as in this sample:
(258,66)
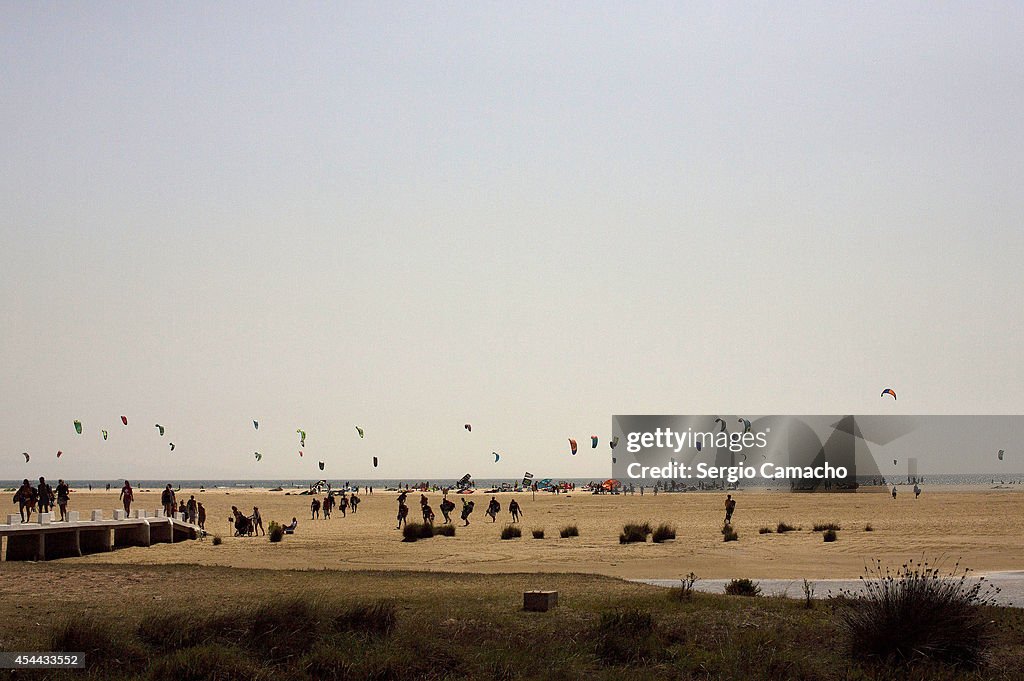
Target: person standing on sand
(354,502)
(343,504)
(257,522)
(515,510)
(730,506)
(201,513)
(127,496)
(403,514)
(467,510)
(493,507)
(63,495)
(192,509)
(44,496)
(167,499)
(428,514)
(447,506)
(314,508)
(894,491)
(917,490)
(328,504)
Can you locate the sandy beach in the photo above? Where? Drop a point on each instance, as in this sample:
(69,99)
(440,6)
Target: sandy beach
(983,529)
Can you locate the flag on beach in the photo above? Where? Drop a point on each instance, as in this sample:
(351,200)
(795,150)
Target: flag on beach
(527,479)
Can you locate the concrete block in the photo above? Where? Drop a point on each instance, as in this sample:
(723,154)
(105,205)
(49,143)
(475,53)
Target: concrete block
(74,516)
(13,519)
(44,518)
(97,515)
(178,516)
(119,514)
(539,601)
(159,513)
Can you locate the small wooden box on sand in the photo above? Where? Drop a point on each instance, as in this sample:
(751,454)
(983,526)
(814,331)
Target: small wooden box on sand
(539,601)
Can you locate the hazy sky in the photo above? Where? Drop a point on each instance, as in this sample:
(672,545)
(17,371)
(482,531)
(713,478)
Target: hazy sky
(526,216)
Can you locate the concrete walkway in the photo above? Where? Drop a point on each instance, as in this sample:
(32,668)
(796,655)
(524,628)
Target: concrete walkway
(1010,583)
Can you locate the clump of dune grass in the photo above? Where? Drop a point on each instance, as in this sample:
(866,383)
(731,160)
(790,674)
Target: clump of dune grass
(782,528)
(376,618)
(743,587)
(275,531)
(627,636)
(765,530)
(538,534)
(663,532)
(869,528)
(217,541)
(729,534)
(511,532)
(918,612)
(569,531)
(829,535)
(822,527)
(808,595)
(445,530)
(209,661)
(632,533)
(415,531)
(103,643)
(685,590)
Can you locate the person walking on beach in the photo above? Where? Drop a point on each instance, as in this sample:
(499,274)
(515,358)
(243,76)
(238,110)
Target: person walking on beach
(917,490)
(201,515)
(314,508)
(447,506)
(328,505)
(493,507)
(127,496)
(23,497)
(894,491)
(515,510)
(403,514)
(63,495)
(343,504)
(467,510)
(354,502)
(428,514)
(192,509)
(730,506)
(167,499)
(44,496)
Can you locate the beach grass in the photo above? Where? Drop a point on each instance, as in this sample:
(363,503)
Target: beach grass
(538,534)
(511,532)
(663,533)
(569,531)
(634,533)
(783,527)
(269,624)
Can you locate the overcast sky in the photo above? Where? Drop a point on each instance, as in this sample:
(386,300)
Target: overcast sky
(525,216)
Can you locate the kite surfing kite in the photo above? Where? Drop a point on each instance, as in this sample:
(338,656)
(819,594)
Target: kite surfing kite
(104,434)
(746,425)
(78,426)
(719,419)
(300,453)
(172,446)
(468,427)
(614,442)
(259,457)
(700,444)
(360,431)
(496,456)
(255,424)
(374,462)
(59,453)
(124,420)
(302,437)
(321,465)
(27,457)
(1001,452)
(160,428)
(888,391)
(572,446)
(894,462)
(593,442)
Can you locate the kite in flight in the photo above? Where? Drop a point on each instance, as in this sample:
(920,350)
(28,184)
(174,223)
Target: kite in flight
(888,391)
(124,420)
(104,434)
(78,426)
(572,445)
(300,453)
(469,427)
(259,457)
(746,425)
(614,443)
(360,431)
(374,462)
(496,456)
(700,443)
(321,465)
(160,428)
(255,424)
(172,446)
(302,437)
(27,457)
(1001,452)
(593,442)
(720,419)
(59,453)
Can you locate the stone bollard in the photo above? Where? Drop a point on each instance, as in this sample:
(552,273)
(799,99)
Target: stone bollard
(45,518)
(97,515)
(119,514)
(13,518)
(139,513)
(539,601)
(73,516)
(177,516)
(160,513)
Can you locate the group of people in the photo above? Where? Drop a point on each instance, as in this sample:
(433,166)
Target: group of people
(447,506)
(191,511)
(42,498)
(248,525)
(343,501)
